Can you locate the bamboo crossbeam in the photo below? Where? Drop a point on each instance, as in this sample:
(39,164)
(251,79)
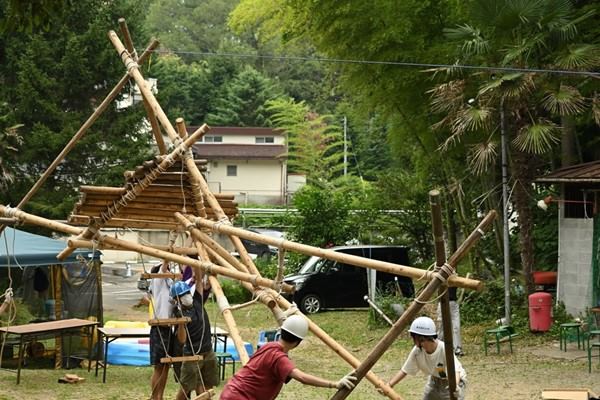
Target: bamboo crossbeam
(146,202)
(414,273)
(416,306)
(119,191)
(169,321)
(172,175)
(151,251)
(161,275)
(148,212)
(83,129)
(170,360)
(82,220)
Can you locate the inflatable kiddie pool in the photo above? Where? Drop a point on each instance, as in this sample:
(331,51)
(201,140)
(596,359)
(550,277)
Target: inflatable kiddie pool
(126,351)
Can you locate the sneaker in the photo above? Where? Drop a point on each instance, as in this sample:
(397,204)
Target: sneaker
(458,352)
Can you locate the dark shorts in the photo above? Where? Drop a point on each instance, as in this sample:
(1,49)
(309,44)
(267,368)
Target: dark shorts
(161,343)
(191,370)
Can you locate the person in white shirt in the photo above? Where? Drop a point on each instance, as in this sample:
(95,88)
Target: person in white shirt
(162,338)
(428,356)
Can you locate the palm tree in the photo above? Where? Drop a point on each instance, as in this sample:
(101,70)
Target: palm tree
(540,34)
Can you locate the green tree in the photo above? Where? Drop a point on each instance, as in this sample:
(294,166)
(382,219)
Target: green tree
(184,90)
(244,99)
(52,81)
(191,25)
(530,106)
(314,141)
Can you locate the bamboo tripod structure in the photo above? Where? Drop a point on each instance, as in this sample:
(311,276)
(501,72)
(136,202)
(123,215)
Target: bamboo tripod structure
(206,215)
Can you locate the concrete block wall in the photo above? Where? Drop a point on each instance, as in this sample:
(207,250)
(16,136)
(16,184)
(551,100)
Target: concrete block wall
(575,264)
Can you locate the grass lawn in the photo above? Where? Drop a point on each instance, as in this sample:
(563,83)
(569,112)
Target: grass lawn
(521,375)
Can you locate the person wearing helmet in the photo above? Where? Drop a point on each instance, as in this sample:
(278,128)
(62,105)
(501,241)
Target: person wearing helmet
(195,337)
(270,367)
(162,338)
(428,356)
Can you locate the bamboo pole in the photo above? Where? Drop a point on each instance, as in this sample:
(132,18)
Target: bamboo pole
(160,143)
(416,306)
(440,260)
(125,223)
(138,188)
(119,190)
(193,173)
(267,297)
(226,259)
(207,267)
(86,125)
(224,307)
(382,266)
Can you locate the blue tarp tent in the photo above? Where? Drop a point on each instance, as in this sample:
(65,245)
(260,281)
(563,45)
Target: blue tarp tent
(49,287)
(19,248)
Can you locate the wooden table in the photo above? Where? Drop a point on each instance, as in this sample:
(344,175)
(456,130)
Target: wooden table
(52,328)
(109,335)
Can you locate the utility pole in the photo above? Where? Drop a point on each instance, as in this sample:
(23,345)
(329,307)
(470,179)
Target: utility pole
(345,146)
(505,215)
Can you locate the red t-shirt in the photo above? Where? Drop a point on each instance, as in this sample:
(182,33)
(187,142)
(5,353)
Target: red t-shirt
(262,377)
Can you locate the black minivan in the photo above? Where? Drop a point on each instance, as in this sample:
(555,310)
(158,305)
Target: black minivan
(323,283)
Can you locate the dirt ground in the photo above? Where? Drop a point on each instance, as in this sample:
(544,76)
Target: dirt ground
(520,375)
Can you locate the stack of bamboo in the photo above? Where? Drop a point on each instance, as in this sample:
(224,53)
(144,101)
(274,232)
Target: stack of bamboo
(154,208)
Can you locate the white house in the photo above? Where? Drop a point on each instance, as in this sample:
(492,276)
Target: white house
(249,162)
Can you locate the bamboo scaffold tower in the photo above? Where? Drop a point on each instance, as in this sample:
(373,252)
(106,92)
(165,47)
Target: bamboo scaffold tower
(169,192)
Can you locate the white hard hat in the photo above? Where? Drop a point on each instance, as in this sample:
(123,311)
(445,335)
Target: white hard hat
(296,325)
(423,326)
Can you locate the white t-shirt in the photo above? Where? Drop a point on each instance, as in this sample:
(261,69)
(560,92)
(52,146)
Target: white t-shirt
(431,364)
(159,287)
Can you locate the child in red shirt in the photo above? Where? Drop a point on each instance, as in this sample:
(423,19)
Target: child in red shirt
(270,367)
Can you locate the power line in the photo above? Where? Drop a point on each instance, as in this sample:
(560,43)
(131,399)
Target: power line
(590,74)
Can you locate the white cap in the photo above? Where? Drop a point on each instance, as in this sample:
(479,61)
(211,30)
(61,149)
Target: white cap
(296,325)
(423,326)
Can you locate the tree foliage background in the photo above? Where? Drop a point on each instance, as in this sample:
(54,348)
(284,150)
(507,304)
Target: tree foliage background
(263,62)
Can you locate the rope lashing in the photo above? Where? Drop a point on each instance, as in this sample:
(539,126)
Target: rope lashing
(221,221)
(188,154)
(11,212)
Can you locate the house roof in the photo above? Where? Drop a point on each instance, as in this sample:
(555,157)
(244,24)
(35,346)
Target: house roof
(26,249)
(239,130)
(234,151)
(581,173)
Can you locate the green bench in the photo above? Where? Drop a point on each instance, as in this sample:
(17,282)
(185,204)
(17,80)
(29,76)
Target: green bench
(503,333)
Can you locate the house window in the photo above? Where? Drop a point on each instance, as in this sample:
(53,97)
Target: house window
(213,139)
(232,170)
(264,139)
